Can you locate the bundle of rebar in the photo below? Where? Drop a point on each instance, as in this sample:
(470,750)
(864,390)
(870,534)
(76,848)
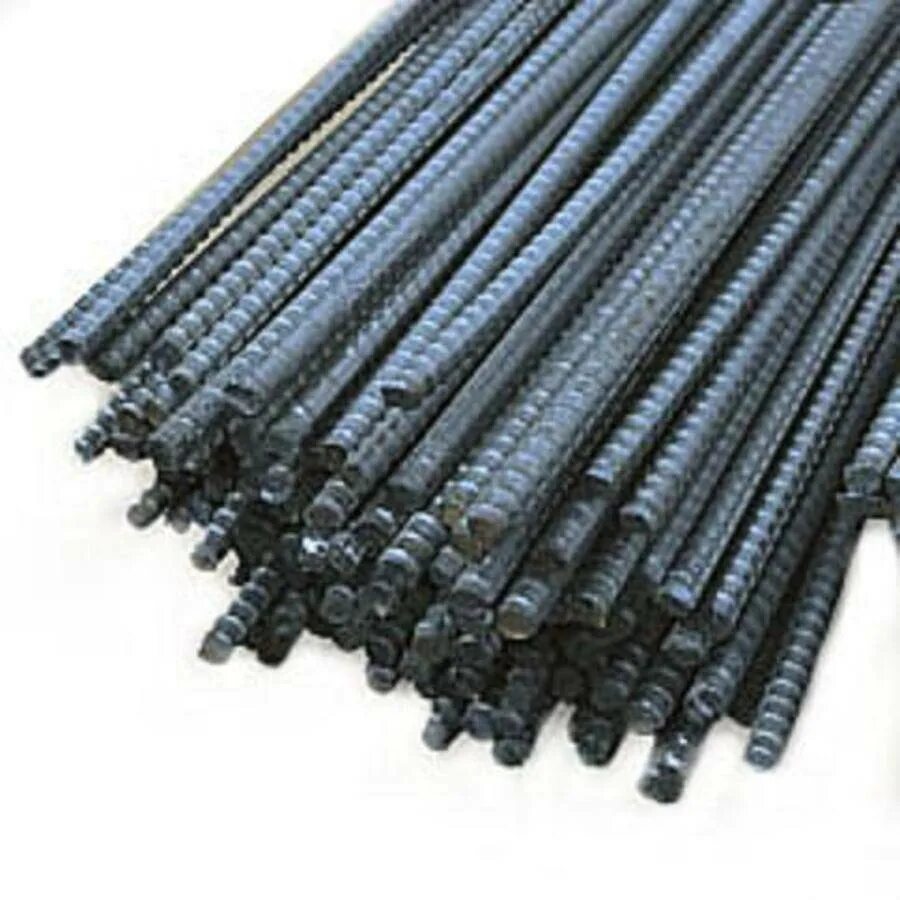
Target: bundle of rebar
(546,350)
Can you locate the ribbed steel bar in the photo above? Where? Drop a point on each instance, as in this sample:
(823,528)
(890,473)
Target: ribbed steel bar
(844,295)
(549,185)
(697,562)
(666,480)
(792,673)
(632,326)
(715,686)
(441,104)
(299,425)
(291,434)
(362,268)
(786,484)
(867,471)
(422,471)
(628,445)
(188,284)
(578,522)
(553,368)
(318,221)
(554,304)
(101,309)
(597,39)
(541,388)
(408,377)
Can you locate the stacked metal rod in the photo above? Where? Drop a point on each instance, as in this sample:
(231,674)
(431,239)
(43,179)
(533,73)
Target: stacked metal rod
(546,350)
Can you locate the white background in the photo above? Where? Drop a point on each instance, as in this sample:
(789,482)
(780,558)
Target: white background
(127,767)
